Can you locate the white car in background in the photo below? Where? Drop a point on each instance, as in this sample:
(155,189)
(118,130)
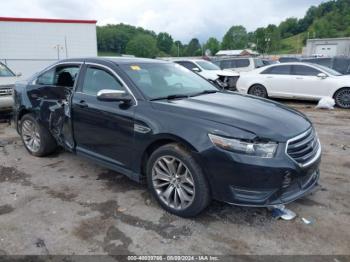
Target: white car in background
(225,79)
(297,81)
(7,83)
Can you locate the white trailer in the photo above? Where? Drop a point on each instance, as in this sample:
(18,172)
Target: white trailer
(27,45)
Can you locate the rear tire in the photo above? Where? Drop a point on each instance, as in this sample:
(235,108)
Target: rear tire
(36,138)
(342,98)
(177,182)
(258,90)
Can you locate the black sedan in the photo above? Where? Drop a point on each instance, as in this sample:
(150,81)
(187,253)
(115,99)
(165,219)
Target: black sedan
(159,122)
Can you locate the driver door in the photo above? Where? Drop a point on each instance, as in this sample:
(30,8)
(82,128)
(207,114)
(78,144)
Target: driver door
(102,130)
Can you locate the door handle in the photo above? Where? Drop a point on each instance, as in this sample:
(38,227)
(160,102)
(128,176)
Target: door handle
(299,78)
(269,77)
(82,104)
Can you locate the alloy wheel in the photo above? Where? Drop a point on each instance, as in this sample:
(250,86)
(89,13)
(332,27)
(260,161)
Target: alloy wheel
(258,91)
(173,182)
(31,136)
(343,98)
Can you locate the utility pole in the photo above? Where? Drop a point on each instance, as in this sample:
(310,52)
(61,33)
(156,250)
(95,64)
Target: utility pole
(58,47)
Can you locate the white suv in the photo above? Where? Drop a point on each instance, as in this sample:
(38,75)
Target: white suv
(239,64)
(7,82)
(210,71)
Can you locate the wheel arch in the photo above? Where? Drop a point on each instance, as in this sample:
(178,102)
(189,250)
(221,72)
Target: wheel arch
(161,140)
(21,112)
(341,88)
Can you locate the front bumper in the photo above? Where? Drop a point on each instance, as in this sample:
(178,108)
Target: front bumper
(6,103)
(250,181)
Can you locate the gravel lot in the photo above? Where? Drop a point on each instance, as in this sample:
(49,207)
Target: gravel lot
(65,204)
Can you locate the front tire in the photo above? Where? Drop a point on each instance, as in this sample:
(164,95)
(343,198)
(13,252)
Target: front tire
(36,138)
(342,98)
(258,90)
(177,182)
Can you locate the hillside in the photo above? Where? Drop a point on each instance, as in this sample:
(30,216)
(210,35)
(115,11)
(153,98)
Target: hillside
(329,19)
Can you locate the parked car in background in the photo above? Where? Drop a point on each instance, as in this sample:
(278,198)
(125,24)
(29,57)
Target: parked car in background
(158,122)
(267,62)
(224,79)
(297,81)
(287,59)
(340,64)
(7,83)
(239,64)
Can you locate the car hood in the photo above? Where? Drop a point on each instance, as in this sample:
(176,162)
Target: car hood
(6,81)
(214,74)
(266,119)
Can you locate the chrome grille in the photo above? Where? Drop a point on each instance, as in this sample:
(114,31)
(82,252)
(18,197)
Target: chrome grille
(305,148)
(6,90)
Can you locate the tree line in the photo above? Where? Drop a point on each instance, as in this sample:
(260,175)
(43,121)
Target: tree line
(329,19)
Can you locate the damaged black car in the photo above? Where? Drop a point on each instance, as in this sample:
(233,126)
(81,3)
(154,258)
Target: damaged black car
(159,122)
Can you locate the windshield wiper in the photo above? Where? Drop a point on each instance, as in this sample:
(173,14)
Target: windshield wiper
(205,92)
(170,97)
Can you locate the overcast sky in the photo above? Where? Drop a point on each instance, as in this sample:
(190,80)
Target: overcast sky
(183,19)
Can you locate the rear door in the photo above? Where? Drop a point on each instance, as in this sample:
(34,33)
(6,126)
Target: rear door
(102,130)
(276,79)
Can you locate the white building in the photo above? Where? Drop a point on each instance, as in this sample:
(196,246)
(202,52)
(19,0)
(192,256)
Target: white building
(27,45)
(328,47)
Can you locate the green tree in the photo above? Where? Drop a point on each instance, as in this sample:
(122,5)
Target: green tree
(274,38)
(213,45)
(194,48)
(289,27)
(142,46)
(164,42)
(235,38)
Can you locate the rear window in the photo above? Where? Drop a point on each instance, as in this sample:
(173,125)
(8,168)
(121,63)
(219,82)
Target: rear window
(278,70)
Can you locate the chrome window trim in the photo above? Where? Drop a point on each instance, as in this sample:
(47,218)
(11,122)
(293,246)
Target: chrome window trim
(314,159)
(117,76)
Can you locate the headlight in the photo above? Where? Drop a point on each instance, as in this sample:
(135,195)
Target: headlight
(259,149)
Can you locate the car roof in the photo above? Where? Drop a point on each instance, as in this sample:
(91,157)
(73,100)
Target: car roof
(294,63)
(115,60)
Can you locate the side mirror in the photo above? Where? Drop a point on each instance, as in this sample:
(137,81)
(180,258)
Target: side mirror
(196,69)
(322,75)
(19,74)
(108,95)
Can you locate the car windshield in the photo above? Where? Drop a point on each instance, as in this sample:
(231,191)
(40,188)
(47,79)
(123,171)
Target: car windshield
(207,65)
(162,80)
(4,71)
(258,63)
(328,70)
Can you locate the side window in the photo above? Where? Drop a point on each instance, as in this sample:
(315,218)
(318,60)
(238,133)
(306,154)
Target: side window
(97,79)
(278,70)
(188,65)
(47,78)
(64,76)
(242,62)
(227,64)
(302,70)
